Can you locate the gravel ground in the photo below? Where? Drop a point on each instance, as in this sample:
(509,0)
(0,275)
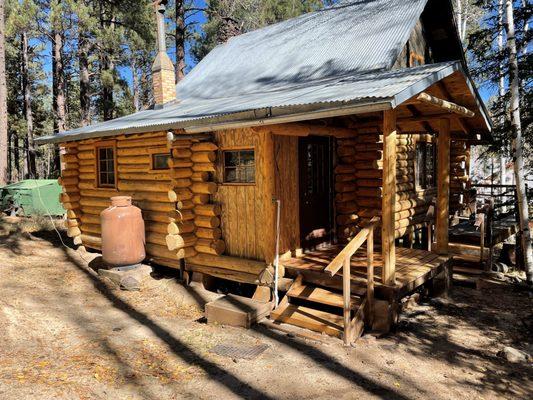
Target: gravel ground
(67,334)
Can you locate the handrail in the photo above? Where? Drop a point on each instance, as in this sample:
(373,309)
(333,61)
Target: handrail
(350,249)
(343,259)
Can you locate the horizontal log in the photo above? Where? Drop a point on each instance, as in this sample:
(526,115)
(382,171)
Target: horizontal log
(175,242)
(207,209)
(91,241)
(207,222)
(201,199)
(200,176)
(229,263)
(68,181)
(184,205)
(93,210)
(74,213)
(204,157)
(157,186)
(69,173)
(128,176)
(71,206)
(156,250)
(181,183)
(91,229)
(343,151)
(95,202)
(203,167)
(228,274)
(69,198)
(204,188)
(86,155)
(176,228)
(347,219)
(180,163)
(204,146)
(87,184)
(180,173)
(137,160)
(134,168)
(69,158)
(148,150)
(181,153)
(207,233)
(141,143)
(73,231)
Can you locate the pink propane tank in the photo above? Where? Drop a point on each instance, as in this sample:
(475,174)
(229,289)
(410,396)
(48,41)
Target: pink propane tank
(122,233)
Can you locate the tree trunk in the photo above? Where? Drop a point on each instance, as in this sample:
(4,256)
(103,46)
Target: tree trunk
(180,40)
(3,102)
(501,85)
(85,89)
(136,84)
(58,90)
(31,167)
(517,143)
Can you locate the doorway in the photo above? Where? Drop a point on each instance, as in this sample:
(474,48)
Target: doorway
(315,160)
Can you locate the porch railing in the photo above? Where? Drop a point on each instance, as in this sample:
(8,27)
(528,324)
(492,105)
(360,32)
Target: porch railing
(343,260)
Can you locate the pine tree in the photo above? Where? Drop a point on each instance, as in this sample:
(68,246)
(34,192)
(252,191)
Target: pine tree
(3,100)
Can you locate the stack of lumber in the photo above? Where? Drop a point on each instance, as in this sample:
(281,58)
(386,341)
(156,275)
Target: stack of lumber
(206,213)
(70,196)
(459,166)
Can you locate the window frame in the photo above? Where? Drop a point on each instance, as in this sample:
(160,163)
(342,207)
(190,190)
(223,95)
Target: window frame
(152,159)
(110,144)
(223,152)
(419,168)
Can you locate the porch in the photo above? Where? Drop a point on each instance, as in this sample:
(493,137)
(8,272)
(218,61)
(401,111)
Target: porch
(414,267)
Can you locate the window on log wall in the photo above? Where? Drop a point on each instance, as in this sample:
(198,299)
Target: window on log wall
(425,168)
(239,166)
(106,166)
(160,161)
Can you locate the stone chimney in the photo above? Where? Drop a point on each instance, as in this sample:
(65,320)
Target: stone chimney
(163,75)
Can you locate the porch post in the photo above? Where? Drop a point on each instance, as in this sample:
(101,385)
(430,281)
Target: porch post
(388,204)
(265,172)
(443,186)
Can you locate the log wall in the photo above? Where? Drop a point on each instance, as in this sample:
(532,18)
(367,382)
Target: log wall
(459,172)
(359,175)
(150,190)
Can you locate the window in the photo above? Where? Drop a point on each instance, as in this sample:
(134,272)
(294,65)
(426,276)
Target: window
(160,161)
(106,166)
(425,165)
(239,166)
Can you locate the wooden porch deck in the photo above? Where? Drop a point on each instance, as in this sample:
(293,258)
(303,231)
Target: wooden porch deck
(413,267)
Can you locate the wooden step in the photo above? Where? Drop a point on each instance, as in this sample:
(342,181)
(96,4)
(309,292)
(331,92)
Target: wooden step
(308,318)
(320,295)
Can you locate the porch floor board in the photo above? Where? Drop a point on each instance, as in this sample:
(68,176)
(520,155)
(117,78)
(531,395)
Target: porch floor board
(413,267)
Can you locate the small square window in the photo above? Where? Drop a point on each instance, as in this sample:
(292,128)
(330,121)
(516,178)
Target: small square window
(160,161)
(106,167)
(239,166)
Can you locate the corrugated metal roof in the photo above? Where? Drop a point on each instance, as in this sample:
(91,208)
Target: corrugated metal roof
(344,39)
(385,88)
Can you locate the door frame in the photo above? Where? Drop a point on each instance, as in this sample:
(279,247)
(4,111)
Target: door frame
(331,159)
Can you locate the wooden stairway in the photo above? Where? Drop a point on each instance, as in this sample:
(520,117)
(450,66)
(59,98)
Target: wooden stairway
(320,309)
(324,309)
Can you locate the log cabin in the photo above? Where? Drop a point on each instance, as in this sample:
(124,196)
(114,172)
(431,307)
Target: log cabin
(302,157)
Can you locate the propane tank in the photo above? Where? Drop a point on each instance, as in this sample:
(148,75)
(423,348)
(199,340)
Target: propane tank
(122,233)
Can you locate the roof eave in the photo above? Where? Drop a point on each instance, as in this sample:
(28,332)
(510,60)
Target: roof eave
(267,116)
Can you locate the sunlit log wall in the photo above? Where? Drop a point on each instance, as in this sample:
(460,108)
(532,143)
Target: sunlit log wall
(359,189)
(180,217)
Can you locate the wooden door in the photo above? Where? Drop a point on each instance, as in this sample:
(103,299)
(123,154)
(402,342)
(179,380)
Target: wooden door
(316,202)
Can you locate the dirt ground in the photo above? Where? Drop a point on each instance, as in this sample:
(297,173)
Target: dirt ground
(66,334)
